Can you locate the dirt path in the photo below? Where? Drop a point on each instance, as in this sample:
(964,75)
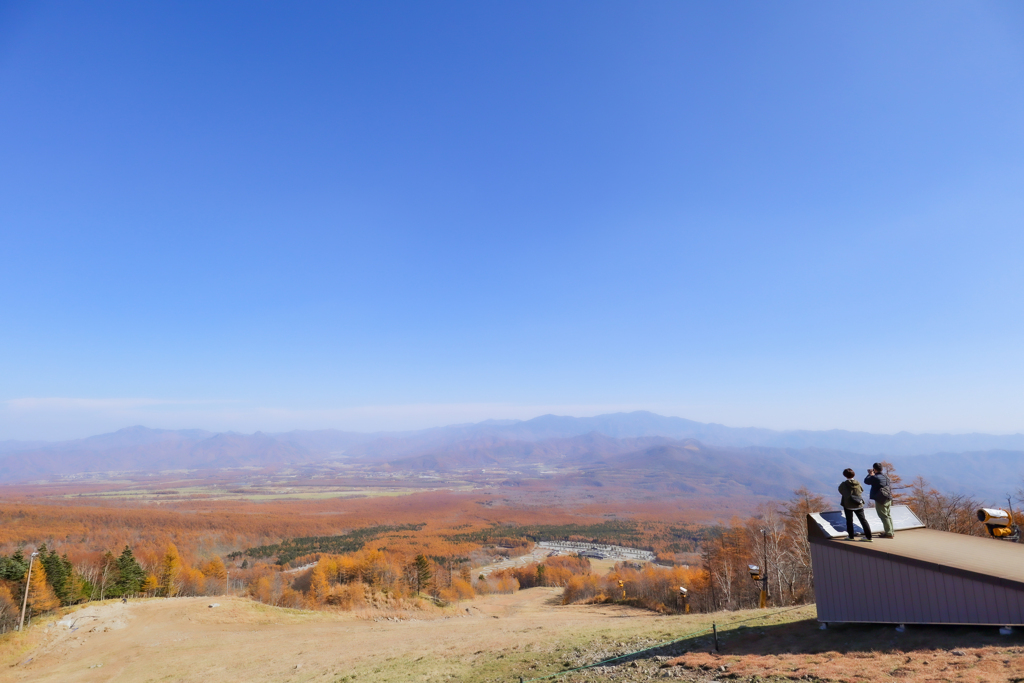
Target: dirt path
(185,640)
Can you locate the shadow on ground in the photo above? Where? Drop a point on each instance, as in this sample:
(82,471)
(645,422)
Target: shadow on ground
(806,638)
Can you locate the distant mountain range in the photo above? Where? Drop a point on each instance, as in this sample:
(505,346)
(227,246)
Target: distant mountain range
(639,441)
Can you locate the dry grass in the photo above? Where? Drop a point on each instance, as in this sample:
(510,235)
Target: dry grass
(16,647)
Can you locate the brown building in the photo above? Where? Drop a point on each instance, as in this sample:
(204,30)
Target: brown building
(922,576)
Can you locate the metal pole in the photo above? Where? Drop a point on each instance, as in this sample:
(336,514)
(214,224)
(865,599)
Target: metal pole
(24,602)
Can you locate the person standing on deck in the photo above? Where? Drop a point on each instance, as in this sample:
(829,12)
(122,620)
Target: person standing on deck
(881,493)
(853,502)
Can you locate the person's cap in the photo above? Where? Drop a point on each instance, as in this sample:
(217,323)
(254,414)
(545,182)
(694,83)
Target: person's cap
(878,466)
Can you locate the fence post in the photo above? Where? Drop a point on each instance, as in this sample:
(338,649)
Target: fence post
(714,628)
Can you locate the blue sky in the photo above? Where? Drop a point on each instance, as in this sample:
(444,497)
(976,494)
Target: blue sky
(394,215)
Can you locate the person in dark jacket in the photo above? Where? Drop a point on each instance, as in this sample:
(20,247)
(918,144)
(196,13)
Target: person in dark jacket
(881,493)
(853,503)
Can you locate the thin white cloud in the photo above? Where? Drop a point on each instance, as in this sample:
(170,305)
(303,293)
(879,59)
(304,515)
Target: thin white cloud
(87,404)
(65,403)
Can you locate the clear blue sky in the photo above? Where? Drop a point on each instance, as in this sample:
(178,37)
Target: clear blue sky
(387,215)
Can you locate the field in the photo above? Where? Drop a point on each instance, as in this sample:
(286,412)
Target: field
(490,639)
(265,493)
(243,484)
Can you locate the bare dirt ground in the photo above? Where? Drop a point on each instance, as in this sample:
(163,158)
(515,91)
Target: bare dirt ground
(495,638)
(185,640)
(536,555)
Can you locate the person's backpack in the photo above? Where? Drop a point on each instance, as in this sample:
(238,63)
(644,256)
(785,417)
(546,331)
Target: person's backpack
(854,498)
(885,492)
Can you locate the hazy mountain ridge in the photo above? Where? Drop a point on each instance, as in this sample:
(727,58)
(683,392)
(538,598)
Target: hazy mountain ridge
(757,459)
(617,425)
(643,423)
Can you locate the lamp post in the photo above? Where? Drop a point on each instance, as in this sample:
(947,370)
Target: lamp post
(28,578)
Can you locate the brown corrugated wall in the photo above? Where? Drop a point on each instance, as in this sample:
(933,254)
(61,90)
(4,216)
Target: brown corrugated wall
(858,587)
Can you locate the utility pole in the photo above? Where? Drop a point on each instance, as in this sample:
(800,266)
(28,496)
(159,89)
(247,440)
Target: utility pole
(28,578)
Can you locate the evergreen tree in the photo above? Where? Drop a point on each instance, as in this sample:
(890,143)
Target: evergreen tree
(72,582)
(57,572)
(13,568)
(130,576)
(421,572)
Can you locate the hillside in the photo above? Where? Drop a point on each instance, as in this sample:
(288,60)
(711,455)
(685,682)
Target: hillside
(494,639)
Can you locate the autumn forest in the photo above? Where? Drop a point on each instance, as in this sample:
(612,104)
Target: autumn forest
(424,549)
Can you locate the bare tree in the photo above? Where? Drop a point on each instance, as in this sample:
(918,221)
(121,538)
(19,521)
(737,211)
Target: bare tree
(943,511)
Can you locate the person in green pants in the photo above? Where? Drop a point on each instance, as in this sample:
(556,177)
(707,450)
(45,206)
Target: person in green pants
(881,493)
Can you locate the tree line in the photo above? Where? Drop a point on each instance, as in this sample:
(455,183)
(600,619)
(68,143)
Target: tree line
(55,582)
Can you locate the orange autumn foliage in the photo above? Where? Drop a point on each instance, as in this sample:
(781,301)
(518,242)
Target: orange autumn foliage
(41,597)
